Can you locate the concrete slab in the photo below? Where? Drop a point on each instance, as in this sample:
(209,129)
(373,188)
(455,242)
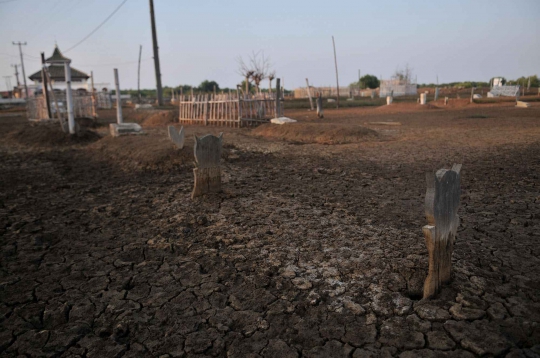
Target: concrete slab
(118,130)
(522,104)
(282,120)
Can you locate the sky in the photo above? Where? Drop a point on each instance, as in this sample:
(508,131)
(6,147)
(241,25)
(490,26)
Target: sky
(455,40)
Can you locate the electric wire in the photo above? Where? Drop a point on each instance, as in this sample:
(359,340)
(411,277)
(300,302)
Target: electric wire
(97,28)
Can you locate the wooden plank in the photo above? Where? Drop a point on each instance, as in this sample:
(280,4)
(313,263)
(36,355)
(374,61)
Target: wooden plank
(441,206)
(207,175)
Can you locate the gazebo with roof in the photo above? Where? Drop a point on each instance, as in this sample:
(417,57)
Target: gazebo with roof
(79,79)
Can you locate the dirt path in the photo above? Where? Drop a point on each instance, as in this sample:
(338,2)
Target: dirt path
(311,250)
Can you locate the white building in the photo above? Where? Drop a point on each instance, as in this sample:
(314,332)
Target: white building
(79,79)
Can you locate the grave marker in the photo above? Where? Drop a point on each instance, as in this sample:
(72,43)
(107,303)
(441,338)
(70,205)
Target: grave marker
(177,137)
(319,106)
(442,202)
(207,152)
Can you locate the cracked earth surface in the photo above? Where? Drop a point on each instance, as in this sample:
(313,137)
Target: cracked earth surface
(310,251)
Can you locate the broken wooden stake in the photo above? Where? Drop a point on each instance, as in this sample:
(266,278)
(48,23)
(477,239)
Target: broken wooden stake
(207,152)
(442,202)
(177,137)
(319,106)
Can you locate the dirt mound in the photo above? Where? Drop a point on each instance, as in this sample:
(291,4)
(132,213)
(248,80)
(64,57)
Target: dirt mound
(51,135)
(142,153)
(452,103)
(316,133)
(161,118)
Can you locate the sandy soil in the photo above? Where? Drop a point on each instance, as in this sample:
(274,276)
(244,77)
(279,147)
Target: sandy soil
(312,250)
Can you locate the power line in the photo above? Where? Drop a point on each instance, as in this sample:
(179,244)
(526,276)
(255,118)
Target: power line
(97,28)
(113,64)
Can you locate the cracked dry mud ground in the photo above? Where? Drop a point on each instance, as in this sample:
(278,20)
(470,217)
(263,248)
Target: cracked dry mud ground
(310,251)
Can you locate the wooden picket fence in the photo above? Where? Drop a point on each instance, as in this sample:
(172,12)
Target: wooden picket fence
(83,107)
(228,109)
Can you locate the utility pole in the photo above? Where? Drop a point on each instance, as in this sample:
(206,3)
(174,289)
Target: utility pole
(44,85)
(337,79)
(156,55)
(139,75)
(22,65)
(16,74)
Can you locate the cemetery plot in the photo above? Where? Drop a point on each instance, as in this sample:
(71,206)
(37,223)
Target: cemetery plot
(310,250)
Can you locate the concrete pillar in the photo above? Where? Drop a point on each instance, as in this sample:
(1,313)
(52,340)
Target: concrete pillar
(69,98)
(119,118)
(423,98)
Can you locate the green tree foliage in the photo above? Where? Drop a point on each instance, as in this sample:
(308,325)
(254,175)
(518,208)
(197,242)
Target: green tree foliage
(524,81)
(208,86)
(369,81)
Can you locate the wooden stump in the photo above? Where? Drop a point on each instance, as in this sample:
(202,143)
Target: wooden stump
(177,137)
(207,152)
(319,107)
(442,202)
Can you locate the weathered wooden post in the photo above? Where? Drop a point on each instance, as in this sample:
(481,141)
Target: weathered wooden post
(390,99)
(207,152)
(119,118)
(69,98)
(319,106)
(442,203)
(472,94)
(177,137)
(94,104)
(278,95)
(309,95)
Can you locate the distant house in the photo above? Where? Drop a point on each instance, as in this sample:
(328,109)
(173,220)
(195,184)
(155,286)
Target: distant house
(79,79)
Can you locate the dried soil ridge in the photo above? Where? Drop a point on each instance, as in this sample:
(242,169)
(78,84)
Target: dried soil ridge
(316,133)
(51,135)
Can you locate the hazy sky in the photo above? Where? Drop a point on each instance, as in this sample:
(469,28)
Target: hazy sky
(456,40)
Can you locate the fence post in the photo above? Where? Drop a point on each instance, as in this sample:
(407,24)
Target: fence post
(206,108)
(94,104)
(69,98)
(278,95)
(309,95)
(441,206)
(319,106)
(119,118)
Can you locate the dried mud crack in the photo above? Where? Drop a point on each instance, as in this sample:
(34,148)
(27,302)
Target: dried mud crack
(308,252)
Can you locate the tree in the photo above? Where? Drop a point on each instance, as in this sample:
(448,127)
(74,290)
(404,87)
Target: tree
(255,71)
(404,74)
(208,86)
(369,81)
(271,77)
(245,71)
